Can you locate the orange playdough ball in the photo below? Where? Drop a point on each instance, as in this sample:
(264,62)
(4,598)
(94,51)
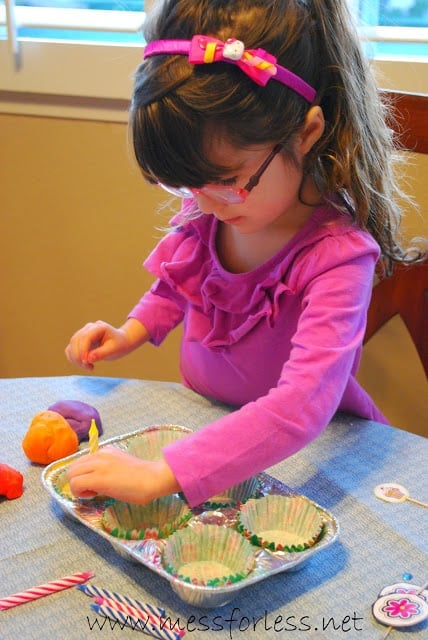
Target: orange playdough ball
(49,437)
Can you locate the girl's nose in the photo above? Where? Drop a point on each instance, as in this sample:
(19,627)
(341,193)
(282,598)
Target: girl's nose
(207,205)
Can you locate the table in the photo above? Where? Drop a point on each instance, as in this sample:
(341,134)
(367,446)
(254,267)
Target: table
(333,592)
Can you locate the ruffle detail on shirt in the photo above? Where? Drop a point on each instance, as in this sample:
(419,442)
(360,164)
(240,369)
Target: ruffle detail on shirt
(235,303)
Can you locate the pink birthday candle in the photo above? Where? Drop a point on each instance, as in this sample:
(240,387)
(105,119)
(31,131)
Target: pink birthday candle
(44,590)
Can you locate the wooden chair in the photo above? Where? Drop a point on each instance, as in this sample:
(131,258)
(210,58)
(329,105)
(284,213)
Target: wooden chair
(410,112)
(405,292)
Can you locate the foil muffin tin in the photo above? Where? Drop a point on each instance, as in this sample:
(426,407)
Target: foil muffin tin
(149,552)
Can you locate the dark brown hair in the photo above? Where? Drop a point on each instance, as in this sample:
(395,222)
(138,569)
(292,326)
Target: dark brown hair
(177,105)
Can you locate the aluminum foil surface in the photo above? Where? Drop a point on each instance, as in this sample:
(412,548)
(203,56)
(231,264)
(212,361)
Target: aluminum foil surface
(149,552)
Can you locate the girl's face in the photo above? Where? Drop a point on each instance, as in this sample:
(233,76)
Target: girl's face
(272,203)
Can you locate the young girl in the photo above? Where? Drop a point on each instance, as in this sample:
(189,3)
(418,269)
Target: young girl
(263,116)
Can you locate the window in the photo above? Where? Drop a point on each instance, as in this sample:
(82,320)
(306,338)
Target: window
(69,57)
(389,22)
(395,34)
(81,54)
(394,27)
(111,21)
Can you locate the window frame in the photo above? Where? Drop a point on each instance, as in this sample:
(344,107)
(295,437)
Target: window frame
(81,79)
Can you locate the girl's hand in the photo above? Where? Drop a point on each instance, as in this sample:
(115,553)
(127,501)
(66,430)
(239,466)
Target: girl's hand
(101,341)
(117,474)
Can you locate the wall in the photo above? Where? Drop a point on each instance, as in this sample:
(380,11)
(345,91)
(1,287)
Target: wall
(77,221)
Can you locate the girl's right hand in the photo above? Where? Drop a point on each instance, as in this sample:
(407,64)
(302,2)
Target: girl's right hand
(110,471)
(101,341)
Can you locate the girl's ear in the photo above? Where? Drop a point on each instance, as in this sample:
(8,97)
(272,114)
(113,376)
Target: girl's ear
(312,130)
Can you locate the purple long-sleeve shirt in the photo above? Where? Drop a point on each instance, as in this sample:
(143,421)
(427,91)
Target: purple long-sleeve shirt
(281,342)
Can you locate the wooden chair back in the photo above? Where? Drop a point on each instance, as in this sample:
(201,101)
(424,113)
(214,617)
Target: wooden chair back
(405,292)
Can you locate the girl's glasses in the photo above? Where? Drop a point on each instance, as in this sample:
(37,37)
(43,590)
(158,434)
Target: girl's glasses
(223,193)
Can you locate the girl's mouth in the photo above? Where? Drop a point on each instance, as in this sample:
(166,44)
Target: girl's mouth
(233,220)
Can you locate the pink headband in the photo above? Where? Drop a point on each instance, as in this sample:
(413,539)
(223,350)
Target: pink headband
(259,65)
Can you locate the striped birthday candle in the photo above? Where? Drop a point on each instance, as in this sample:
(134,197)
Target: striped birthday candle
(98,592)
(43,590)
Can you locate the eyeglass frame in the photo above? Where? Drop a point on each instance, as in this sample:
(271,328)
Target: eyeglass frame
(214,191)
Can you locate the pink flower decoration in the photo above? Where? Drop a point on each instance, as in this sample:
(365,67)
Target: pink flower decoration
(401,608)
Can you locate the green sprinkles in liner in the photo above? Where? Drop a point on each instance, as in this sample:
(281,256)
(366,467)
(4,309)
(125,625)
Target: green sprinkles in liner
(139,534)
(208,555)
(214,582)
(142,534)
(235,495)
(258,542)
(157,520)
(294,515)
(226,503)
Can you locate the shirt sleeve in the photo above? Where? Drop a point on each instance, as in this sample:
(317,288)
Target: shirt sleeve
(159,310)
(324,356)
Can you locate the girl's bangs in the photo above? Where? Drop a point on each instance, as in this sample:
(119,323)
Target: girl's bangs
(169,145)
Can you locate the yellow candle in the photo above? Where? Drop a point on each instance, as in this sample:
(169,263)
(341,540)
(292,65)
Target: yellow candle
(93,437)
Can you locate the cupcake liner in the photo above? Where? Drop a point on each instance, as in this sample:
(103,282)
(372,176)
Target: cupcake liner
(62,486)
(157,519)
(281,523)
(234,495)
(148,444)
(208,555)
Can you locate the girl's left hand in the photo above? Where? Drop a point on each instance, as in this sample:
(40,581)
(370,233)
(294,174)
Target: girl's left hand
(115,473)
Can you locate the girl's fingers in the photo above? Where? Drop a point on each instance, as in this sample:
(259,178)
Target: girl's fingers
(83,342)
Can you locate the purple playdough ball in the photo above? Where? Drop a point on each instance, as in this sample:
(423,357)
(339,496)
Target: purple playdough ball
(78,415)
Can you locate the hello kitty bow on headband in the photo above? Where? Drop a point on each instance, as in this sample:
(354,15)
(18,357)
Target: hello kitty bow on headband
(258,64)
